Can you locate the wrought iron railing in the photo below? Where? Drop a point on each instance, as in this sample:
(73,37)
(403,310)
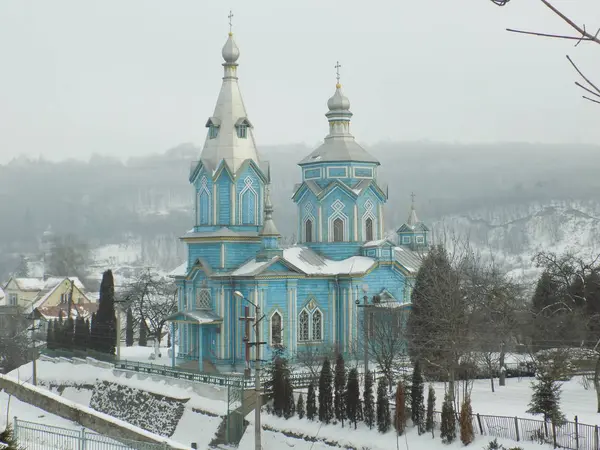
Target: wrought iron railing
(569,435)
(38,436)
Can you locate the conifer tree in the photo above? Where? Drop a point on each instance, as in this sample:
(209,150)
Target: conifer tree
(417,399)
(143,337)
(87,334)
(106,327)
(290,405)
(325,393)
(277,383)
(400,413)
(59,331)
(8,438)
(80,337)
(69,333)
(352,397)
(311,403)
(384,420)
(93,339)
(300,407)
(339,402)
(448,426)
(430,408)
(466,423)
(369,407)
(50,335)
(129,328)
(546,399)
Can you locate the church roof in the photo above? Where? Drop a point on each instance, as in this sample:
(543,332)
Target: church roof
(221,232)
(408,259)
(339,144)
(229,113)
(307,262)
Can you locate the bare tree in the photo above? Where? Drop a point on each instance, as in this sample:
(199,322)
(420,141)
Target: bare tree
(572,315)
(582,35)
(15,341)
(311,357)
(497,301)
(386,331)
(152,299)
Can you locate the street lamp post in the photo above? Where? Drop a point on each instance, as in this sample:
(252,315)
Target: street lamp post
(257,386)
(365,289)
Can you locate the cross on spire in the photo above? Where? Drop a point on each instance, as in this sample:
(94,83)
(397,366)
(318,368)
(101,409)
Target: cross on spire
(412,199)
(230,16)
(337,71)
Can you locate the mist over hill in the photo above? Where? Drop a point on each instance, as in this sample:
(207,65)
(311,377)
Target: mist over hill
(510,196)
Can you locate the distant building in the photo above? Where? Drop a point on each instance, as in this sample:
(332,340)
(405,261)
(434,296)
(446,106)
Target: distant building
(309,293)
(47,295)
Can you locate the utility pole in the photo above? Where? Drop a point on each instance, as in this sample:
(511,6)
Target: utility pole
(34,349)
(365,306)
(118,314)
(257,385)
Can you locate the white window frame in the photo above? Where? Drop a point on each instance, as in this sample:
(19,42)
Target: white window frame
(13,299)
(280,344)
(337,176)
(420,239)
(309,169)
(310,315)
(359,168)
(406,239)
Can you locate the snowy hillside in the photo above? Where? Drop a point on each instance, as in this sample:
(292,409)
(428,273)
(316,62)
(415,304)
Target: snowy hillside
(514,233)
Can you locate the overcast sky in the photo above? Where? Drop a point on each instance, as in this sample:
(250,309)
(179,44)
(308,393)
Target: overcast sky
(133,77)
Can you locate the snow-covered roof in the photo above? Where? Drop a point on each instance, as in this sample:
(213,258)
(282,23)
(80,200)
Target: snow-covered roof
(30,284)
(2,297)
(221,232)
(408,259)
(377,243)
(179,271)
(307,262)
(199,316)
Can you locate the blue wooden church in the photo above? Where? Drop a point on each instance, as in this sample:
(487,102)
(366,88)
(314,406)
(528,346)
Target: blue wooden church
(308,292)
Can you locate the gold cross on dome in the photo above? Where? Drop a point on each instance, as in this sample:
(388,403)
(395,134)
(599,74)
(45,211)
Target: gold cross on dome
(230,16)
(337,71)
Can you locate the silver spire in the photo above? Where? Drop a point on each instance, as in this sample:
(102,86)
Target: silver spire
(230,136)
(339,144)
(413,220)
(269,228)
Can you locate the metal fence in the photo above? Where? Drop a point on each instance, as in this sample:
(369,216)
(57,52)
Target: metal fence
(37,436)
(569,435)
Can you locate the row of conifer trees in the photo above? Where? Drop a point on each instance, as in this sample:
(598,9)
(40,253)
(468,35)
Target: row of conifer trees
(337,400)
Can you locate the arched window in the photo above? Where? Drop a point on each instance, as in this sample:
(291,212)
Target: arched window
(338,230)
(248,208)
(317,325)
(276,329)
(204,208)
(369,229)
(303,326)
(308,231)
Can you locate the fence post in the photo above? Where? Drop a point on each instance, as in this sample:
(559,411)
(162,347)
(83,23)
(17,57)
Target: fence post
(82,439)
(576,433)
(595,436)
(479,423)
(16,428)
(554,434)
(517,428)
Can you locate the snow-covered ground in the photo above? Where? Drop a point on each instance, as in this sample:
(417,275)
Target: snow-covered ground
(511,400)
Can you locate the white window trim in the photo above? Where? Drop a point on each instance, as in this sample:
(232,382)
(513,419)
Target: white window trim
(308,314)
(320,169)
(362,167)
(271,328)
(339,214)
(406,239)
(248,187)
(337,176)
(13,299)
(420,239)
(310,326)
(369,214)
